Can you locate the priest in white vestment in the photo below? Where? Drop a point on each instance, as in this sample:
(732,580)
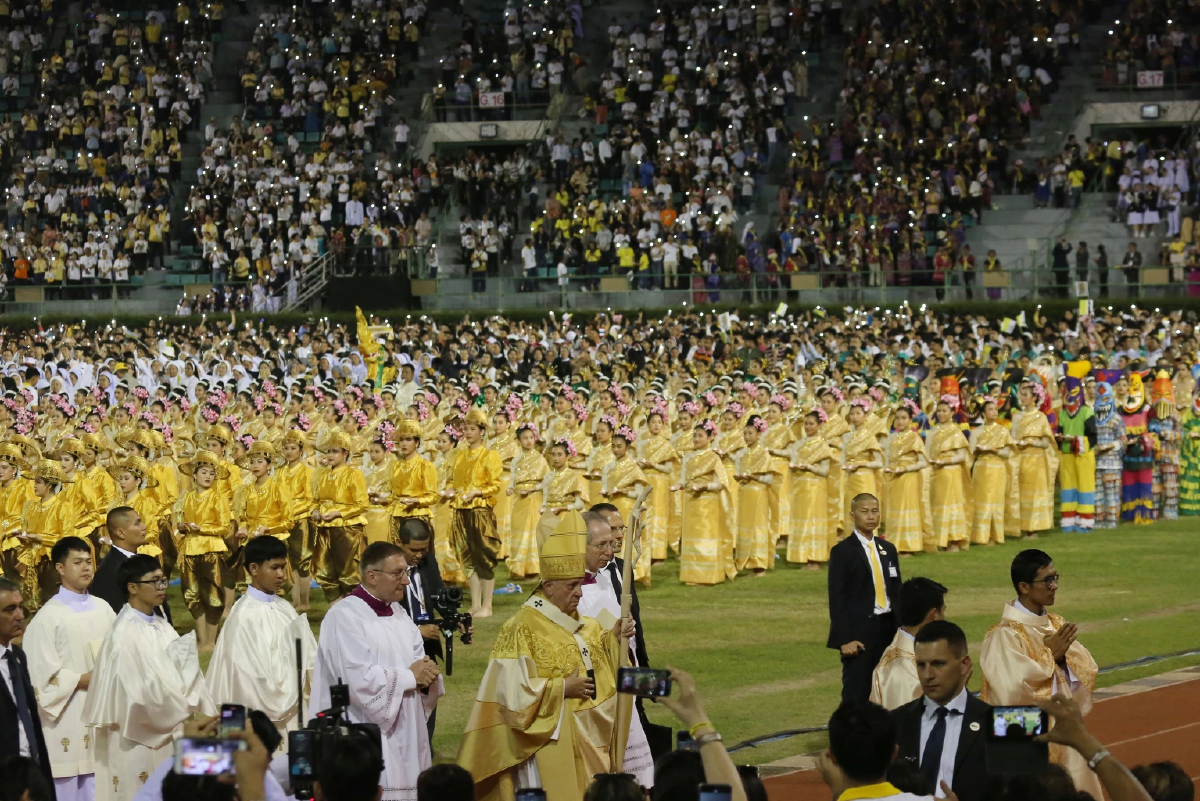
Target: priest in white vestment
(146,683)
(369,643)
(61,643)
(600,602)
(254,662)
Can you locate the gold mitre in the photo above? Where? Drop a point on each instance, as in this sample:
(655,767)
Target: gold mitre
(562,554)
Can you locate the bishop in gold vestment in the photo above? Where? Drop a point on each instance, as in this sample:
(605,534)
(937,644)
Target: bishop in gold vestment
(535,723)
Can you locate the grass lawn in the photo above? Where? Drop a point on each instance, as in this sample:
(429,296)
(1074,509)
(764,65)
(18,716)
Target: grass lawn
(757,646)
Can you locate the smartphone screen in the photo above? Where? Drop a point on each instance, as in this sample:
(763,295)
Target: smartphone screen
(1018,722)
(206,756)
(644,682)
(300,755)
(715,792)
(233,718)
(531,794)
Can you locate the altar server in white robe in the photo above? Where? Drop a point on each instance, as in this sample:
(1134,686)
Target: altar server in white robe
(145,685)
(254,662)
(62,642)
(600,602)
(369,643)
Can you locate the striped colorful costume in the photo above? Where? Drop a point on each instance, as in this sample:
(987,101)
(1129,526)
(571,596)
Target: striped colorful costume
(1189,473)
(1137,477)
(1110,430)
(1166,465)
(1077,469)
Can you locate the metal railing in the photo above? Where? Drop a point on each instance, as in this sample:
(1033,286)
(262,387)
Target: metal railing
(1135,78)
(311,282)
(653,290)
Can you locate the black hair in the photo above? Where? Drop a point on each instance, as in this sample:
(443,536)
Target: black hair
(264,549)
(21,778)
(350,768)
(678,776)
(446,782)
(65,546)
(613,787)
(414,528)
(116,516)
(134,569)
(938,630)
(603,507)
(917,597)
(1025,567)
(862,738)
(1165,781)
(860,497)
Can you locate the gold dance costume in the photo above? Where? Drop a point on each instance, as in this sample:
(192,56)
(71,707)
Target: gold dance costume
(951,491)
(907,523)
(338,543)
(811,527)
(473,530)
(528,470)
(708,522)
(202,569)
(990,484)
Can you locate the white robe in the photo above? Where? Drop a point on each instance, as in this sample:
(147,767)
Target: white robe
(600,601)
(62,642)
(254,662)
(372,656)
(145,684)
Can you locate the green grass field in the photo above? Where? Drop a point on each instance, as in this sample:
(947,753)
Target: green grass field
(757,646)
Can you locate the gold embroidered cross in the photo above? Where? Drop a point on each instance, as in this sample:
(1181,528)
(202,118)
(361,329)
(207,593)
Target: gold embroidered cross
(66,743)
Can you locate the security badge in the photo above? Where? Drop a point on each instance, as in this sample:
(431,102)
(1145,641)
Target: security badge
(891,568)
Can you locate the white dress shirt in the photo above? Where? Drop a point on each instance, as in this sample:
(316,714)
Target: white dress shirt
(22,737)
(868,545)
(259,595)
(954,721)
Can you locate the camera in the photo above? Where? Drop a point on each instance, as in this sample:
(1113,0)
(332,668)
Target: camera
(446,602)
(306,746)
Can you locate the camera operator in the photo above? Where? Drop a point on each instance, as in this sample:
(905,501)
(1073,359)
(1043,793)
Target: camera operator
(424,581)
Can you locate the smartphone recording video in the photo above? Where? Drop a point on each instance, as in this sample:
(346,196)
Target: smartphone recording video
(206,756)
(1018,722)
(644,682)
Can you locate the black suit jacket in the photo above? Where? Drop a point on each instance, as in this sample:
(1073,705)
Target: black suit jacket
(616,569)
(10,737)
(431,581)
(852,590)
(970,761)
(105,584)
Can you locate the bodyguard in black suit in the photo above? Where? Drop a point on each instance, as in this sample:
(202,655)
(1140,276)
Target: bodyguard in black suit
(945,729)
(20,726)
(127,531)
(864,596)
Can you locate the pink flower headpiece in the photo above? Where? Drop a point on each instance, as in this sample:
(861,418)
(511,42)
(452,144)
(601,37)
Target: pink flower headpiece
(581,411)
(232,421)
(837,393)
(568,393)
(761,425)
(710,398)
(339,406)
(356,392)
(422,412)
(821,415)
(623,410)
(168,434)
(568,445)
(377,399)
(862,402)
(462,405)
(691,407)
(269,389)
(141,393)
(302,422)
(360,417)
(210,414)
(613,423)
(537,435)
(710,427)
(246,440)
(259,403)
(454,434)
(473,389)
(782,401)
(660,407)
(185,405)
(89,428)
(953,401)
(736,409)
(626,433)
(876,394)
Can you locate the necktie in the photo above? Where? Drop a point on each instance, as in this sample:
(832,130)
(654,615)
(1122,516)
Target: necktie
(877,575)
(931,759)
(18,691)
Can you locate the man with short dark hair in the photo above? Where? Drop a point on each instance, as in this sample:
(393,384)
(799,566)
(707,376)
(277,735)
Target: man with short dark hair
(862,743)
(616,572)
(145,683)
(350,771)
(369,643)
(20,727)
(944,729)
(864,594)
(894,681)
(127,533)
(1032,653)
(446,782)
(60,642)
(254,662)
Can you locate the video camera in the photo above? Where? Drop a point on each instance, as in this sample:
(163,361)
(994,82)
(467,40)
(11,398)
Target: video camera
(446,602)
(306,747)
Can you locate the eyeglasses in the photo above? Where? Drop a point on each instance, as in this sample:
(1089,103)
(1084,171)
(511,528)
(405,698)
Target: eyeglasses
(1052,579)
(621,529)
(159,583)
(396,574)
(603,546)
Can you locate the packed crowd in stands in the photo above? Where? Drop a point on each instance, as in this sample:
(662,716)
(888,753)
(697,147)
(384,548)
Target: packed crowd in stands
(1152,36)
(101,130)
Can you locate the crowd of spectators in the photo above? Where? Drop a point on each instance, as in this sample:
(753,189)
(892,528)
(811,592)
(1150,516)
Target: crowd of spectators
(1152,36)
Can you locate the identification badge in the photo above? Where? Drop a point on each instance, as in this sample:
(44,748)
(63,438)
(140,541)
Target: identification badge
(892,571)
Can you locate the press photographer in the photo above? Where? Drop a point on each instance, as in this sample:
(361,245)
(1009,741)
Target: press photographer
(427,600)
